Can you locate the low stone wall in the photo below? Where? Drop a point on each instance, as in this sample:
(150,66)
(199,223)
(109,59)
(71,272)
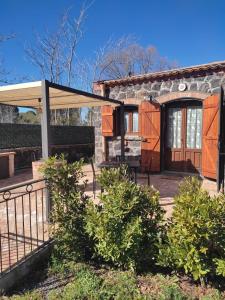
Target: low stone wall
(15,277)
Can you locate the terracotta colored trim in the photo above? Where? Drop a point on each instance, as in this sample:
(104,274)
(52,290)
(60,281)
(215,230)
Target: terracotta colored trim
(179,95)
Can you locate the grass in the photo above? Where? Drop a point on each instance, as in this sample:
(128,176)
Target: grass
(86,282)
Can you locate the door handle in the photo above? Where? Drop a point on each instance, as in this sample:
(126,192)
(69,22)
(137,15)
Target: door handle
(143,139)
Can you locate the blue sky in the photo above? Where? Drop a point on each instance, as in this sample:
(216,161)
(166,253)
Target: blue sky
(190,32)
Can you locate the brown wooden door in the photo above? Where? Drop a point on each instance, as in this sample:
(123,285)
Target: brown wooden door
(210,136)
(150,132)
(183,137)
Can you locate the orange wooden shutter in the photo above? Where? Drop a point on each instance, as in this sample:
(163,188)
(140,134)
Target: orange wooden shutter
(149,125)
(107,121)
(210,131)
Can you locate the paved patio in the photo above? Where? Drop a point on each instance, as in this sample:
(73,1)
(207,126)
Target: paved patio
(166,183)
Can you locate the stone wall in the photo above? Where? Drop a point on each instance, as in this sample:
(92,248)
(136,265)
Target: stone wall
(132,146)
(97,117)
(207,82)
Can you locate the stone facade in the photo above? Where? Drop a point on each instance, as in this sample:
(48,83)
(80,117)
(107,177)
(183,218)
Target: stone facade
(203,83)
(209,83)
(97,117)
(132,146)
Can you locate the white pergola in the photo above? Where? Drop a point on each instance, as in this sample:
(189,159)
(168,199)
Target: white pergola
(45,95)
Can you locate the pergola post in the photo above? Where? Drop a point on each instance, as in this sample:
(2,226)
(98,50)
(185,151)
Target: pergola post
(45,120)
(122,131)
(45,135)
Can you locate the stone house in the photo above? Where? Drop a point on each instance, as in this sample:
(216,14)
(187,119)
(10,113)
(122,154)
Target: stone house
(172,119)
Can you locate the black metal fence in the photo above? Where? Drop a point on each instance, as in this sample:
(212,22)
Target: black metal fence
(23,222)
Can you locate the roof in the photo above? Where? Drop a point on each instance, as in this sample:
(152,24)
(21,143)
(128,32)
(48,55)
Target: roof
(30,94)
(210,67)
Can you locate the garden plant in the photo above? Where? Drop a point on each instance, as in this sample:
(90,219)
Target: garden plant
(125,224)
(194,241)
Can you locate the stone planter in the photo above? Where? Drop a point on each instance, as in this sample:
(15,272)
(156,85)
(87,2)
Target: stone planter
(36,165)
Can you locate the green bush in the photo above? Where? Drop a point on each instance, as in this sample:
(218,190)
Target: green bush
(66,188)
(110,177)
(195,238)
(125,225)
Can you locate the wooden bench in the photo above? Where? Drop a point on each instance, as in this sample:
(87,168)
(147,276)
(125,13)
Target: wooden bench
(7,167)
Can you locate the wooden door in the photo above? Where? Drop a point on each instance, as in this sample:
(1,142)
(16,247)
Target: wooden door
(174,154)
(210,136)
(183,137)
(150,132)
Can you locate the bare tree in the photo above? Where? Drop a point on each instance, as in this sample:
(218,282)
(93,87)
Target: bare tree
(125,57)
(121,58)
(54,54)
(118,59)
(3,72)
(8,114)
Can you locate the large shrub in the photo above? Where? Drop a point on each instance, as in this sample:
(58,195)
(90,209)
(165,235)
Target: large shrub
(124,226)
(110,177)
(66,188)
(195,239)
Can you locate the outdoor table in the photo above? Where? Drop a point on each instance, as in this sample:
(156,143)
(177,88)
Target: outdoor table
(133,166)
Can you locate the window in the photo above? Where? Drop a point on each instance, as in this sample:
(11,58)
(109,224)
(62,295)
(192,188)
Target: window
(194,128)
(174,127)
(131,120)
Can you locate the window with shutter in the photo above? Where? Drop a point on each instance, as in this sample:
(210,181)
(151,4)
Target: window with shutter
(150,116)
(107,120)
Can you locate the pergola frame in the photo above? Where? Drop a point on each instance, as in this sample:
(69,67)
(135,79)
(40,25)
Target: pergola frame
(41,94)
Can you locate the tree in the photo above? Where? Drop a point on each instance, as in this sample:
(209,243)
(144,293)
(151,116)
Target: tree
(3,72)
(54,54)
(121,58)
(8,114)
(29,117)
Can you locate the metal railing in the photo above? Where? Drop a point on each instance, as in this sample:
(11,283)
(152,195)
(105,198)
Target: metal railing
(23,222)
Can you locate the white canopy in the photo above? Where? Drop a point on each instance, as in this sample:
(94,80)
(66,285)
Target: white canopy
(30,95)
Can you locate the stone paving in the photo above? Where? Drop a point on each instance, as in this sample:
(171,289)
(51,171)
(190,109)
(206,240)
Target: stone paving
(22,239)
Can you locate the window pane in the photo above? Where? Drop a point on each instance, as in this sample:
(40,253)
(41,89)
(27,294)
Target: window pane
(174,128)
(126,121)
(135,121)
(194,128)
